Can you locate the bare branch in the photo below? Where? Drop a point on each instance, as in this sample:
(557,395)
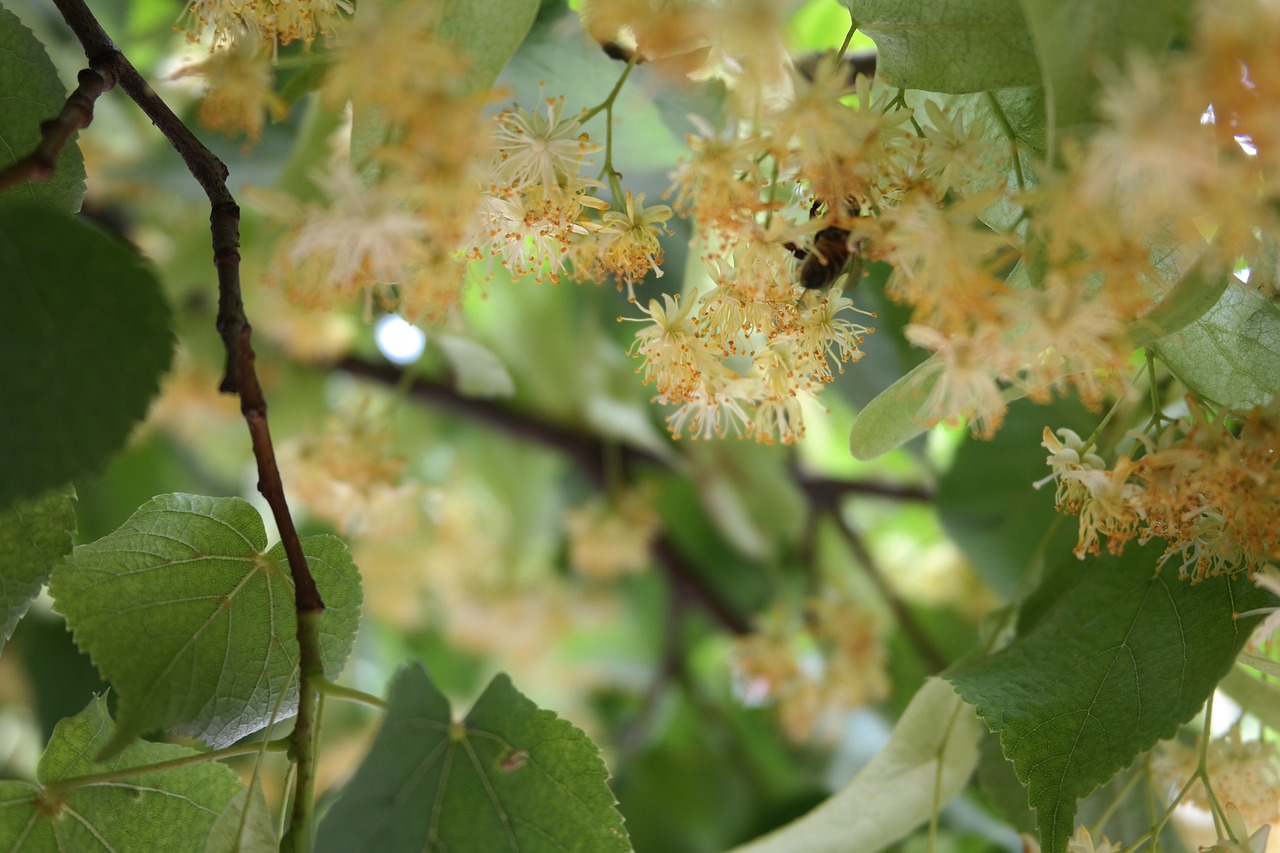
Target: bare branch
(57,132)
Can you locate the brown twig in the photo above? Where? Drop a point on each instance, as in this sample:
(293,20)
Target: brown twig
(587,450)
(112,67)
(57,132)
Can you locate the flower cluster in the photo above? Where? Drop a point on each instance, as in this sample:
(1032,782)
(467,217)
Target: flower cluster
(610,539)
(1244,774)
(349,476)
(393,216)
(1210,488)
(826,661)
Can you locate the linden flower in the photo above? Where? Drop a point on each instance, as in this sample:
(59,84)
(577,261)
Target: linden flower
(534,151)
(1109,508)
(241,92)
(364,237)
(1082,842)
(610,539)
(677,358)
(1067,454)
(963,380)
(629,245)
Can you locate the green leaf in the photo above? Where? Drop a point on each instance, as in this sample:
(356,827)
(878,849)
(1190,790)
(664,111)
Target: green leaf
(88,332)
(959,46)
(25,68)
(1122,658)
(171,810)
(189,616)
(487,34)
(33,534)
(1077,39)
(244,826)
(1231,355)
(1190,299)
(928,761)
(892,418)
(987,500)
(508,777)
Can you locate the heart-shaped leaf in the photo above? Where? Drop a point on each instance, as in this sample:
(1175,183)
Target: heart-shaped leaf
(191,618)
(509,777)
(1122,657)
(171,810)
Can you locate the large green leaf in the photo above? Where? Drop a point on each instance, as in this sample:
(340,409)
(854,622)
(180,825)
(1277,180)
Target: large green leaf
(508,777)
(1122,658)
(958,46)
(189,616)
(171,810)
(33,94)
(86,336)
(1077,39)
(927,762)
(1231,355)
(33,534)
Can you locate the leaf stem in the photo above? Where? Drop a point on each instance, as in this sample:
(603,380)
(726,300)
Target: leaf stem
(62,786)
(328,688)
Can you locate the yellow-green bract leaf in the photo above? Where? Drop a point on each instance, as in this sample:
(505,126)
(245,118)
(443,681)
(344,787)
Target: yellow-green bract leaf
(478,372)
(510,777)
(170,810)
(928,760)
(33,94)
(86,334)
(1231,355)
(33,535)
(189,616)
(957,46)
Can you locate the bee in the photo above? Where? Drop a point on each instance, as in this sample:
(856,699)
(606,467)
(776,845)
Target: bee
(831,253)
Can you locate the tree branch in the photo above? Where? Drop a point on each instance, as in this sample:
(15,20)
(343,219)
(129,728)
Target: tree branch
(57,132)
(240,377)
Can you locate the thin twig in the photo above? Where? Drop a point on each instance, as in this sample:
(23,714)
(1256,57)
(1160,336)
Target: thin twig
(932,657)
(57,132)
(239,376)
(587,450)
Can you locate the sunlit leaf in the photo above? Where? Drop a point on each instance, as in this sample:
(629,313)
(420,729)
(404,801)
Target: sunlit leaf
(927,762)
(33,535)
(508,777)
(191,618)
(25,68)
(87,332)
(964,46)
(1120,659)
(171,810)
(1231,355)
